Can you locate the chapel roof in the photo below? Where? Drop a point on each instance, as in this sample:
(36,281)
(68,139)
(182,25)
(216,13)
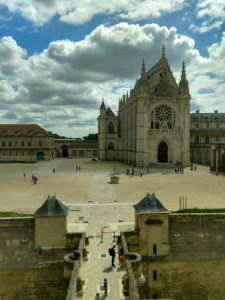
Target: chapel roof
(150,205)
(52,207)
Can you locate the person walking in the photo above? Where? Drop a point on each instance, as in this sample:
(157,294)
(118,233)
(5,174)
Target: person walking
(141,173)
(105,287)
(112,253)
(24,176)
(128,171)
(121,261)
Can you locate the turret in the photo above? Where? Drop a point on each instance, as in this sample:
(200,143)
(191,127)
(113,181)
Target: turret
(143,84)
(183,85)
(102,109)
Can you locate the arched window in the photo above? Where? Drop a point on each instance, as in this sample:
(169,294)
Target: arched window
(111,146)
(110,127)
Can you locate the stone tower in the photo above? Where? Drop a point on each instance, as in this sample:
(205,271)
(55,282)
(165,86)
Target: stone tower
(153,123)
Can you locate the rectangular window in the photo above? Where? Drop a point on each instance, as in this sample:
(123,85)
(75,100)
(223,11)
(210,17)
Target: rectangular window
(3,143)
(29,144)
(40,143)
(197,139)
(207,139)
(154,275)
(81,152)
(154,249)
(16,143)
(217,139)
(196,125)
(10,144)
(22,144)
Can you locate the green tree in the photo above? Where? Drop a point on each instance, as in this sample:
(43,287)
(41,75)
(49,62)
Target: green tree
(91,137)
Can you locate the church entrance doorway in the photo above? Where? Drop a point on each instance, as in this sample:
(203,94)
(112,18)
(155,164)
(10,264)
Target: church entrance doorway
(162,152)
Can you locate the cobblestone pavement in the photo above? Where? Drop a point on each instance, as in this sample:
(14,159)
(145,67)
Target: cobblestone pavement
(102,214)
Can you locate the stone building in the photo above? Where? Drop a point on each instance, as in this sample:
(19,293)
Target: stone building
(76,148)
(182,255)
(153,121)
(25,142)
(208,139)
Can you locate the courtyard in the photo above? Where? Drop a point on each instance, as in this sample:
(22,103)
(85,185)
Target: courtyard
(202,188)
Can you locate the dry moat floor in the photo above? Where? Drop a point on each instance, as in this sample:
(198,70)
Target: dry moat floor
(95,205)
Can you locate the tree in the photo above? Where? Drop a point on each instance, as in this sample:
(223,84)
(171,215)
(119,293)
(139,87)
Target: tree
(91,137)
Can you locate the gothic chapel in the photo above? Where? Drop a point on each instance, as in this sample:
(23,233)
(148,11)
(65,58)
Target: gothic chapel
(153,122)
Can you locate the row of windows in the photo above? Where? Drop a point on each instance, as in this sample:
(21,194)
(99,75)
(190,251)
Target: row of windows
(205,139)
(206,125)
(12,153)
(16,144)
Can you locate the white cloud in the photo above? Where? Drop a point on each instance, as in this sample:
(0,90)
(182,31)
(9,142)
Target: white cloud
(212,12)
(82,11)
(63,86)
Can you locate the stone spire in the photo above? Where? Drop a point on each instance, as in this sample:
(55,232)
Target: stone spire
(102,107)
(163,50)
(143,70)
(183,85)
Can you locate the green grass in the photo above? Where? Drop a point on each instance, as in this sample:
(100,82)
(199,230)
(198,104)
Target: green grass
(196,210)
(10,214)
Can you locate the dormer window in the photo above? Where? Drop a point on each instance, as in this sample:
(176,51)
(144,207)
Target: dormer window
(3,132)
(29,132)
(17,133)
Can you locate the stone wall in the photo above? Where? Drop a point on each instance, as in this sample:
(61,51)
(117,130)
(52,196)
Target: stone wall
(29,272)
(33,284)
(16,243)
(197,236)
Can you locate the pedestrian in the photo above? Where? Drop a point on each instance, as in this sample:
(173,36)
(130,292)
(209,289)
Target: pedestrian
(24,176)
(112,253)
(128,171)
(76,167)
(32,177)
(195,168)
(53,170)
(97,297)
(105,286)
(132,172)
(121,261)
(141,173)
(79,168)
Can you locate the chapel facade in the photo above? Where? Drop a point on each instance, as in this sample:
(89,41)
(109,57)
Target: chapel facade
(153,121)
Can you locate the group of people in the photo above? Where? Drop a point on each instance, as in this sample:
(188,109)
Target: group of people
(78,167)
(140,171)
(193,167)
(112,253)
(34,179)
(179,170)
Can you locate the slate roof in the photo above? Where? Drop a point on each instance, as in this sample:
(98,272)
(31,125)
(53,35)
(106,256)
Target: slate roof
(150,205)
(84,145)
(52,207)
(109,112)
(102,105)
(21,130)
(207,117)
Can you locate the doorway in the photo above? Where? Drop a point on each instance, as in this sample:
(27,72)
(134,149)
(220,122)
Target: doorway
(162,152)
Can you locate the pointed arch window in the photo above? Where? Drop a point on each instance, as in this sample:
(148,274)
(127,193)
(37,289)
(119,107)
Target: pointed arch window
(111,146)
(110,127)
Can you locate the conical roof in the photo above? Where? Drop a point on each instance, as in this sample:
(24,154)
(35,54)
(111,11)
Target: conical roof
(52,207)
(150,205)
(103,105)
(109,112)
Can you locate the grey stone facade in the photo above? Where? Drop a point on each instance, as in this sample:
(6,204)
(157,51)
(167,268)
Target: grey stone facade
(153,121)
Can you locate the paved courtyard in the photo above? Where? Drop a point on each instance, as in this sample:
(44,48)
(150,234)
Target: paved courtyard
(95,205)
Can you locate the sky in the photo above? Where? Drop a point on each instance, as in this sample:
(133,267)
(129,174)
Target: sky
(59,59)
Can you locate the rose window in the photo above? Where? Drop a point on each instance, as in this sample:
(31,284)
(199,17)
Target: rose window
(163,114)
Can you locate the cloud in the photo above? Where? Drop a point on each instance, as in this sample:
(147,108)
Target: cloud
(212,12)
(62,87)
(82,11)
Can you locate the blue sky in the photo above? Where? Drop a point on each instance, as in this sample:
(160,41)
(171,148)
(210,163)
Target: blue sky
(60,58)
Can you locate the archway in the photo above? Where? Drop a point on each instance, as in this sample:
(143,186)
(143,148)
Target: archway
(162,152)
(40,156)
(64,151)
